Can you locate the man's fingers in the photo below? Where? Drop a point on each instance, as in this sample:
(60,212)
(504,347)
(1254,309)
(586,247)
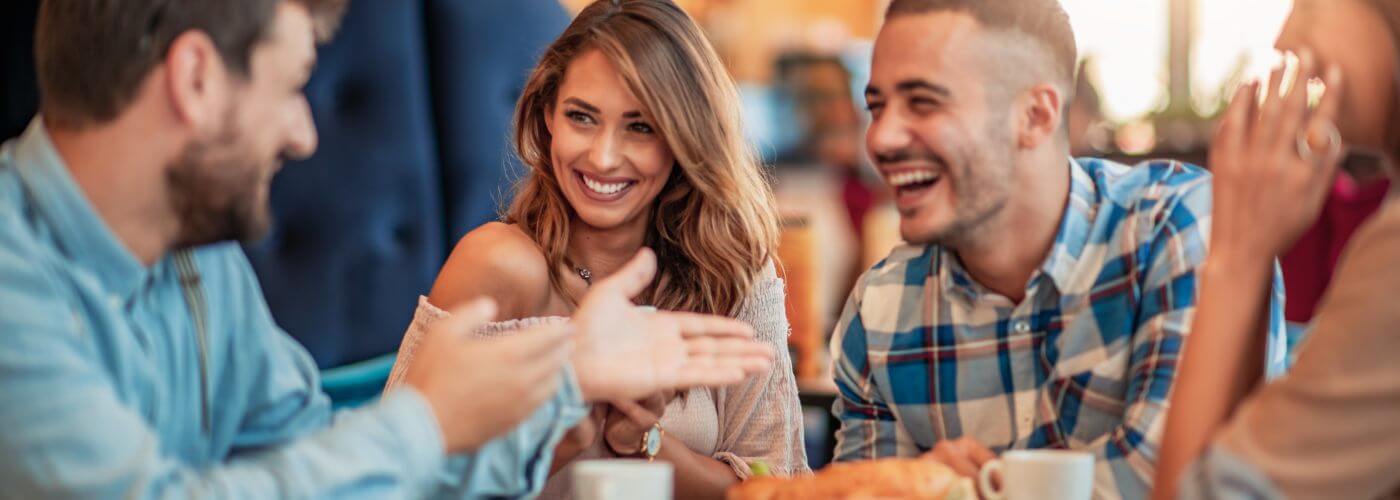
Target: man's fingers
(535,363)
(636,412)
(656,403)
(707,376)
(542,371)
(633,278)
(543,339)
(978,453)
(467,318)
(746,364)
(750,365)
(692,324)
(748,356)
(707,346)
(540,392)
(955,460)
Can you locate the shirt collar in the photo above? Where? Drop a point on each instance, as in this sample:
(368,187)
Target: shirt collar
(1061,263)
(81,234)
(1076,224)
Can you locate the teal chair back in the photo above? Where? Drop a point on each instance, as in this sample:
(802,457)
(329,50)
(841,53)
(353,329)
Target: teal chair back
(359,383)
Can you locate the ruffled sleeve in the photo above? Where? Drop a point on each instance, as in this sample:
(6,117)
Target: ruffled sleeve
(428,314)
(761,419)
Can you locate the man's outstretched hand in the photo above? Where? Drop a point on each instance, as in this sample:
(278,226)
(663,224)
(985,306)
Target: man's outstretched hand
(627,353)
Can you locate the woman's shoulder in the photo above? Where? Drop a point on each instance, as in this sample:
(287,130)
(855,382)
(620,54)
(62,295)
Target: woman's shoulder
(504,239)
(767,283)
(497,261)
(765,305)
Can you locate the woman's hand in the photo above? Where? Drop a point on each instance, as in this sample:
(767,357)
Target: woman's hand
(1269,187)
(1274,163)
(628,421)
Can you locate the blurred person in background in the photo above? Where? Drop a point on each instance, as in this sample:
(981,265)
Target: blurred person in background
(820,88)
(139,358)
(1370,112)
(1043,300)
(1331,428)
(824,185)
(630,127)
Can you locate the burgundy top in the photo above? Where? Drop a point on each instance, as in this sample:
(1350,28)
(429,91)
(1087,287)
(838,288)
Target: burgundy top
(1307,268)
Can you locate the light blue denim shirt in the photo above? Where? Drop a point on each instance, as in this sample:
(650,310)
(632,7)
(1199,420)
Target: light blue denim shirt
(100,377)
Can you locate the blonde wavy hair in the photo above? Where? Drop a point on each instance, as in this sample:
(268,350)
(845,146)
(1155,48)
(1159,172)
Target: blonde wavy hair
(714,224)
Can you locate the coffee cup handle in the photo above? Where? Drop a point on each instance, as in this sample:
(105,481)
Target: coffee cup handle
(984,480)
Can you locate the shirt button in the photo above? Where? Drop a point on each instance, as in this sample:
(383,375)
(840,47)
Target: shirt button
(1023,327)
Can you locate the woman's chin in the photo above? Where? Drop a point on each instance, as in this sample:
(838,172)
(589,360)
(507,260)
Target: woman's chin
(603,219)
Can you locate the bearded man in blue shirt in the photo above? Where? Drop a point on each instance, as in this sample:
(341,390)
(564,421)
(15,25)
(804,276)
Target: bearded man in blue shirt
(137,355)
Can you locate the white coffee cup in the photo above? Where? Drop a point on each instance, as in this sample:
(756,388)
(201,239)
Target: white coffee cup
(1040,475)
(622,480)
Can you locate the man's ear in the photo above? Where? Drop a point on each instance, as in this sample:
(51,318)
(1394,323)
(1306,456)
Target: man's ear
(197,80)
(1039,112)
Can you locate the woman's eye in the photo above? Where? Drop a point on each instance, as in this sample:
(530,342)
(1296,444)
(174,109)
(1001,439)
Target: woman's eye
(579,118)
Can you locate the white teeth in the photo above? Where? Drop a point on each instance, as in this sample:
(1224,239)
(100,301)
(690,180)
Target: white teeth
(908,177)
(604,189)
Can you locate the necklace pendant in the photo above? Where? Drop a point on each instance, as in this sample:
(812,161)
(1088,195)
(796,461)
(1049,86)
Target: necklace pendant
(585,274)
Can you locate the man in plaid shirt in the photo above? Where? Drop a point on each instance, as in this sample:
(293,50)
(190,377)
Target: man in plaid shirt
(1043,301)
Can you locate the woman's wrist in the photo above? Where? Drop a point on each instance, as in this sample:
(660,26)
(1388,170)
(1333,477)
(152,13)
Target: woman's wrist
(1237,262)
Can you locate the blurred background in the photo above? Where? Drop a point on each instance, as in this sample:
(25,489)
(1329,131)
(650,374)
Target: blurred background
(413,101)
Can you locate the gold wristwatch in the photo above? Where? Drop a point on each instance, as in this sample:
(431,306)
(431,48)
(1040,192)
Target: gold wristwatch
(651,443)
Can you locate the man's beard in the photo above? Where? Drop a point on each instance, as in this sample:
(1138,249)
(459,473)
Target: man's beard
(981,187)
(214,188)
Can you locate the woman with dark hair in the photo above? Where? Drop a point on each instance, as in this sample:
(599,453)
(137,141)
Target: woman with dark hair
(1331,427)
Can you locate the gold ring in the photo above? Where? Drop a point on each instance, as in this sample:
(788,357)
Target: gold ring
(1304,146)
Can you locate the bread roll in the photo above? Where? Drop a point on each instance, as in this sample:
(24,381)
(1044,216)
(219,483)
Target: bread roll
(894,478)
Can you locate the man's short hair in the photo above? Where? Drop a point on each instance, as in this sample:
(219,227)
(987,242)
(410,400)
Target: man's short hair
(1043,21)
(92,55)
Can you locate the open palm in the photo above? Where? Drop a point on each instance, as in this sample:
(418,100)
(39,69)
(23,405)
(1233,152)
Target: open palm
(625,352)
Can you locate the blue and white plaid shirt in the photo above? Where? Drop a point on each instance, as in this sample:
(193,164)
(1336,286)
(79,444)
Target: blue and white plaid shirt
(924,353)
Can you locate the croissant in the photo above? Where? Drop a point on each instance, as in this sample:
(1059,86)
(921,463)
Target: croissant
(893,478)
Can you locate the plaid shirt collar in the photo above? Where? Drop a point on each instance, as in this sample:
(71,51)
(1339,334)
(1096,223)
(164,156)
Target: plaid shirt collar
(1060,265)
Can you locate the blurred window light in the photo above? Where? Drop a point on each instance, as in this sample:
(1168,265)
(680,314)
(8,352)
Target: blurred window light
(1234,38)
(1129,41)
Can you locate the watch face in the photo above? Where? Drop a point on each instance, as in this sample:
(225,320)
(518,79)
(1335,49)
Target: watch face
(653,442)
